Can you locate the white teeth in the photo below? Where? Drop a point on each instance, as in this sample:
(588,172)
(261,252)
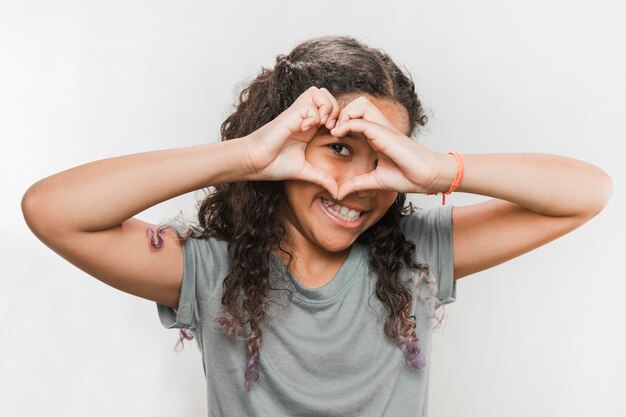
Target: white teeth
(341,212)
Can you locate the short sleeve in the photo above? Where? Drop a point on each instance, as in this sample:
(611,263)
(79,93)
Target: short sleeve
(431,231)
(185,316)
(205,264)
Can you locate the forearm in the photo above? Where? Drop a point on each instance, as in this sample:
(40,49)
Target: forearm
(102,194)
(548,184)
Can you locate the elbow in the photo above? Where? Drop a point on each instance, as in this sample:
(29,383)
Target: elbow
(603,189)
(31,205)
(28,204)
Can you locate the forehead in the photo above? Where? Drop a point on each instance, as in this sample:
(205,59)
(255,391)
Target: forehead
(394,112)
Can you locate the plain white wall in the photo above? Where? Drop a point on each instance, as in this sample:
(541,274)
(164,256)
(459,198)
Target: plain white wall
(543,335)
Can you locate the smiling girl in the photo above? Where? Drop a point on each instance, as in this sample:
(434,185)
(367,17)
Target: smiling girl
(309,284)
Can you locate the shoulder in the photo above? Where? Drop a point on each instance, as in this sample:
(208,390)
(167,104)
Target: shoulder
(427,223)
(206,244)
(201,248)
(431,232)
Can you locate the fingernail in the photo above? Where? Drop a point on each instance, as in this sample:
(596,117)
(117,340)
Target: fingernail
(324,119)
(331,124)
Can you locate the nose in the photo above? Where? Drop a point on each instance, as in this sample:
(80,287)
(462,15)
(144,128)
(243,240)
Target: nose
(356,169)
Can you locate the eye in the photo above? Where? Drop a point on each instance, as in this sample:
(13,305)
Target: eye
(340,149)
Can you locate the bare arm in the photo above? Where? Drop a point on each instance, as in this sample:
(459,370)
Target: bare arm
(85,213)
(537,198)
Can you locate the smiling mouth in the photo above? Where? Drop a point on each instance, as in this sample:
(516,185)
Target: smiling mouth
(341,212)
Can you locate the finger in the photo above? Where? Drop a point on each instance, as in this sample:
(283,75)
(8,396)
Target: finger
(379,137)
(320,177)
(360,182)
(309,116)
(334,113)
(324,104)
(300,115)
(362,108)
(370,130)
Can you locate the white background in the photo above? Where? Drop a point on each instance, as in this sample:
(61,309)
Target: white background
(543,335)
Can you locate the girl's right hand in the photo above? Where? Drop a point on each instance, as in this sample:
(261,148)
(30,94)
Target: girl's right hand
(276,150)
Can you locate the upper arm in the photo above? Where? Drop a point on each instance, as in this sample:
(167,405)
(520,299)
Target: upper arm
(489,233)
(123,258)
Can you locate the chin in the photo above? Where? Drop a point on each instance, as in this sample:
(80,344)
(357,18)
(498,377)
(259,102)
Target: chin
(336,245)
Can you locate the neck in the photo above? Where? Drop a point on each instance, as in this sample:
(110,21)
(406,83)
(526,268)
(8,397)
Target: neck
(312,265)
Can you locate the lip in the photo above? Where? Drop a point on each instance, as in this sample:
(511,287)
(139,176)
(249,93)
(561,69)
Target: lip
(340,222)
(347,205)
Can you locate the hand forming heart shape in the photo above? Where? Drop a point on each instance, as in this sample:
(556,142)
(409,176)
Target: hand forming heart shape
(276,150)
(403,164)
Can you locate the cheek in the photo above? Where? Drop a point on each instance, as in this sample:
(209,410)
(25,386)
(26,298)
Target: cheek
(300,193)
(315,156)
(321,158)
(386,199)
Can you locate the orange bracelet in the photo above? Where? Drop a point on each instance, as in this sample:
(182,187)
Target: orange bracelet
(460,170)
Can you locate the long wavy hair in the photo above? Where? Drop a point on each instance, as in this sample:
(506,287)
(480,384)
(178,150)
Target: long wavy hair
(249,215)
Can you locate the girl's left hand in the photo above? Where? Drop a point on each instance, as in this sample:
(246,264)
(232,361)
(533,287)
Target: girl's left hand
(403,164)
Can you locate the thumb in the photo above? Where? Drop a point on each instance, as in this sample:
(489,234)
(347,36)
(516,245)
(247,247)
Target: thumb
(360,182)
(320,177)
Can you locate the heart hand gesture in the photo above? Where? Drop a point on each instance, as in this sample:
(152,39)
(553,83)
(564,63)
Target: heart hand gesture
(403,164)
(276,150)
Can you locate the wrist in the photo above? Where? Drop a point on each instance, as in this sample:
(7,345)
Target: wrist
(445,170)
(246,166)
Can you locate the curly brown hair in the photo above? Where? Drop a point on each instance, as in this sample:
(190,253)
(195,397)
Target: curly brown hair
(249,215)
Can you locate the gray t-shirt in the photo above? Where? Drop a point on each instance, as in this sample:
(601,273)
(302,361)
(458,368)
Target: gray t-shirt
(325,352)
